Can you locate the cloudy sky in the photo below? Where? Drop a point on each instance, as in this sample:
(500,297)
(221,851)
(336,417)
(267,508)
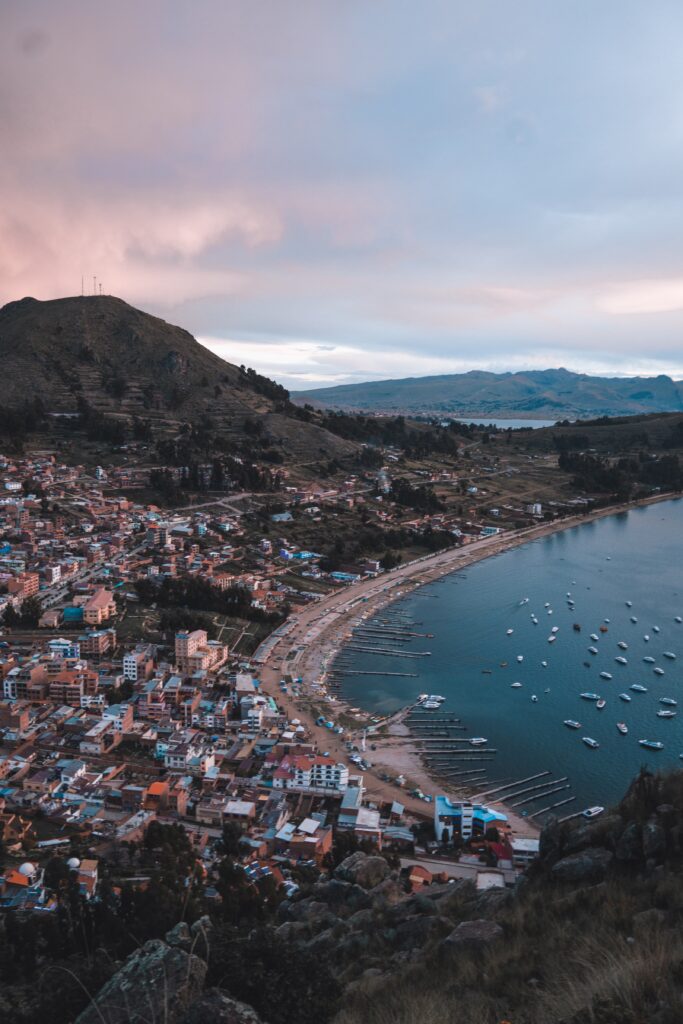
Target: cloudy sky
(356,189)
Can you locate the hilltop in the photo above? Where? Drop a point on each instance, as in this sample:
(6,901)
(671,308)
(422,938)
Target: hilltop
(97,353)
(540,394)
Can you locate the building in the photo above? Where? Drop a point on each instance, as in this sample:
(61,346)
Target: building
(319,773)
(194,652)
(99,607)
(139,663)
(461,818)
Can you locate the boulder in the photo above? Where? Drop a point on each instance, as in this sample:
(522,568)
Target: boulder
(473,933)
(629,847)
(363,870)
(648,920)
(654,839)
(343,897)
(587,866)
(387,893)
(219,1008)
(180,936)
(416,932)
(157,982)
(293,931)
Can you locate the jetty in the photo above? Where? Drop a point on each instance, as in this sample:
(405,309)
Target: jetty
(384,650)
(552,807)
(511,785)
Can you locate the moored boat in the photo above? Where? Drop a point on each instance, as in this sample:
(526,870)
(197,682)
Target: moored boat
(666,714)
(590,742)
(622,727)
(605,675)
(590,696)
(638,688)
(652,744)
(621,660)
(592,812)
(602,703)
(624,697)
(571,723)
(668,700)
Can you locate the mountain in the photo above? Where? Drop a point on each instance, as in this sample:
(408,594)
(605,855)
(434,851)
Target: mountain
(535,394)
(101,353)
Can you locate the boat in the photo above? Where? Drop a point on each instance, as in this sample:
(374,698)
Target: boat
(515,686)
(621,660)
(668,700)
(606,620)
(669,654)
(590,696)
(525,600)
(622,727)
(652,744)
(576,627)
(593,650)
(547,604)
(420,696)
(649,659)
(572,723)
(552,638)
(586,664)
(555,629)
(677,618)
(592,812)
(510,632)
(431,704)
(590,742)
(655,629)
(638,688)
(534,698)
(534,620)
(478,741)
(544,664)
(625,696)
(629,604)
(658,671)
(646,638)
(605,675)
(602,703)
(437,698)
(594,637)
(623,645)
(634,620)
(666,714)
(604,629)
(520,657)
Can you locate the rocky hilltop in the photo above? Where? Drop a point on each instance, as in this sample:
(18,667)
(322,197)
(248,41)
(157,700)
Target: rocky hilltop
(99,353)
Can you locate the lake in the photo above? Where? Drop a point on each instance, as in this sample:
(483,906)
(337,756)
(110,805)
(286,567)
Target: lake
(633,556)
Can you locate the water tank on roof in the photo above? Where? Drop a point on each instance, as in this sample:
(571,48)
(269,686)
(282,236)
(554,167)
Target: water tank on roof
(27,869)
(73,863)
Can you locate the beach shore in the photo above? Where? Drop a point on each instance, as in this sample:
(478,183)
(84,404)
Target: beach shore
(306,646)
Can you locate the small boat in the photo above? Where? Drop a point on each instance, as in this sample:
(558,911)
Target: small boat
(638,688)
(606,620)
(666,714)
(510,632)
(605,675)
(625,696)
(652,744)
(677,618)
(569,593)
(655,629)
(586,664)
(576,627)
(550,611)
(621,660)
(547,604)
(604,629)
(649,659)
(525,600)
(572,723)
(544,664)
(552,638)
(555,629)
(478,741)
(437,697)
(590,742)
(487,672)
(520,657)
(634,620)
(515,686)
(594,637)
(431,705)
(593,650)
(602,703)
(623,645)
(503,664)
(622,727)
(547,689)
(420,696)
(658,671)
(629,604)
(592,812)
(646,638)
(590,696)
(668,700)
(534,698)
(670,655)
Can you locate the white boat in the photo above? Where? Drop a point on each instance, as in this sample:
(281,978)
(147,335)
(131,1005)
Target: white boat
(590,742)
(590,696)
(550,611)
(431,704)
(655,629)
(555,629)
(646,638)
(666,714)
(629,604)
(534,698)
(634,620)
(677,618)
(638,688)
(605,675)
(435,696)
(515,686)
(670,655)
(593,650)
(420,696)
(623,645)
(658,671)
(602,703)
(668,700)
(544,664)
(622,727)
(625,696)
(572,724)
(652,744)
(552,638)
(621,660)
(592,812)
(649,659)
(520,657)
(510,632)
(525,600)
(547,604)
(478,741)
(594,637)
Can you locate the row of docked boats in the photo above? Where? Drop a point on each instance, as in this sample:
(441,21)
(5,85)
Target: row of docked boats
(623,729)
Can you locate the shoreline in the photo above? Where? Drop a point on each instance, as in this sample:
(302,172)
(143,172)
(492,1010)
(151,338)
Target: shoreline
(310,640)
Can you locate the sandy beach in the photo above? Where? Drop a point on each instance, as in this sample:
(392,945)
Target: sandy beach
(307,644)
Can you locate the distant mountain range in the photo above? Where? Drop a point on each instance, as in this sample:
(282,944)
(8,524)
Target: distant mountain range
(535,394)
(126,364)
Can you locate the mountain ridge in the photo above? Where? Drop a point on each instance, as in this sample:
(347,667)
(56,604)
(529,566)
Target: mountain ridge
(542,394)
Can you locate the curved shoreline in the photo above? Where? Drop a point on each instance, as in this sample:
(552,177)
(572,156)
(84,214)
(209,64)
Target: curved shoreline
(309,640)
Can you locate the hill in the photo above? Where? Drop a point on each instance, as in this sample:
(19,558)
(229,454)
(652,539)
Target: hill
(536,394)
(100,354)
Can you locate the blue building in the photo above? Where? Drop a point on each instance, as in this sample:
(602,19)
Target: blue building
(461,818)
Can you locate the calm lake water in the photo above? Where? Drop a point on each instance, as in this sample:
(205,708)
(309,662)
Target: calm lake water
(634,556)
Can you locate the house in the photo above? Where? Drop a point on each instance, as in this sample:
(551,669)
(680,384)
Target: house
(463,818)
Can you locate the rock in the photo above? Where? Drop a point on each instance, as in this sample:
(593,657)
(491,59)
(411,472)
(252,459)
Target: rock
(219,1008)
(180,936)
(307,910)
(416,932)
(361,919)
(157,982)
(344,897)
(491,900)
(387,893)
(292,931)
(628,848)
(201,936)
(473,933)
(587,866)
(550,841)
(363,870)
(648,920)
(654,839)
(202,926)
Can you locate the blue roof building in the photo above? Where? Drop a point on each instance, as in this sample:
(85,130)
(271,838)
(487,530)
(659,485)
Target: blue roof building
(463,818)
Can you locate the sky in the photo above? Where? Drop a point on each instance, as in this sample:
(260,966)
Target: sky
(348,190)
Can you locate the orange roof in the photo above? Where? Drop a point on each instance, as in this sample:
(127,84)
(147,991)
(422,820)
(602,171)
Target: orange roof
(16,878)
(157,788)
